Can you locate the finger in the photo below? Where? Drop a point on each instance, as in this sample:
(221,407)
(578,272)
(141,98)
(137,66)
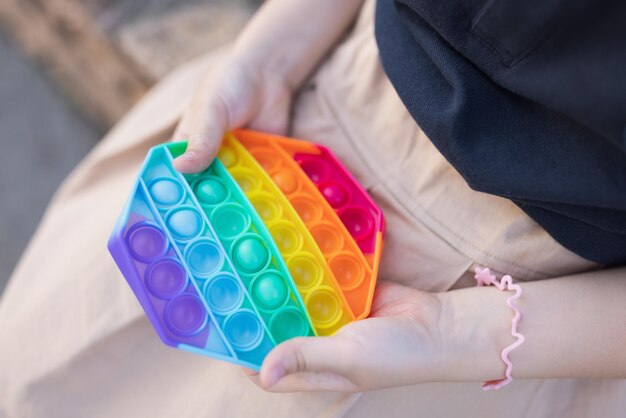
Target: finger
(205,136)
(253,375)
(301,355)
(250,372)
(314,381)
(181,133)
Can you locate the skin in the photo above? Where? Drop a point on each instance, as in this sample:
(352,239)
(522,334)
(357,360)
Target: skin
(574,326)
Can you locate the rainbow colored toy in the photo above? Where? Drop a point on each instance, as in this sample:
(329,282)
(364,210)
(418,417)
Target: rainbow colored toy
(257,249)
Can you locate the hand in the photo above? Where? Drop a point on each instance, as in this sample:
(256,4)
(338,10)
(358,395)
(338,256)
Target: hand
(416,337)
(235,94)
(399,344)
(273,55)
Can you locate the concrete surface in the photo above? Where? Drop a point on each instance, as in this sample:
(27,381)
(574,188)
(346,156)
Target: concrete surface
(41,140)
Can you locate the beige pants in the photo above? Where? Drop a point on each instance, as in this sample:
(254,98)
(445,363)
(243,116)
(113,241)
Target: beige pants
(75,343)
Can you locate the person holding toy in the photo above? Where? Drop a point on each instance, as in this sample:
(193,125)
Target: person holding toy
(497,155)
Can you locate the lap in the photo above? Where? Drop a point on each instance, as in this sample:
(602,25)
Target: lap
(80,345)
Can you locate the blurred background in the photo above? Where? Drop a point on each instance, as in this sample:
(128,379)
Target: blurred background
(69,69)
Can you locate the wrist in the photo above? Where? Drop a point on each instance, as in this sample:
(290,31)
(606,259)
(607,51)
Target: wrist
(286,39)
(477,323)
(278,44)
(276,61)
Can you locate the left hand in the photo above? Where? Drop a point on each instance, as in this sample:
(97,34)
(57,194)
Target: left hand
(399,344)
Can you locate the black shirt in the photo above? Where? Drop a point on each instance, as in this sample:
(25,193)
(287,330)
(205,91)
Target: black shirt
(527,100)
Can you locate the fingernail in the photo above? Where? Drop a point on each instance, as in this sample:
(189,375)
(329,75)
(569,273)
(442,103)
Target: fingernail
(274,376)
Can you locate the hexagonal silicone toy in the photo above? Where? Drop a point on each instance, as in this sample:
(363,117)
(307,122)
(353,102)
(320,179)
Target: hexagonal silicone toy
(203,265)
(344,220)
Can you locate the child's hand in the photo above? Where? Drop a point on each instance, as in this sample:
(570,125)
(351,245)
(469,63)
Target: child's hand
(401,343)
(416,337)
(274,54)
(235,94)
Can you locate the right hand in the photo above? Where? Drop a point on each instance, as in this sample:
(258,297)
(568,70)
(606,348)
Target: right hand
(235,94)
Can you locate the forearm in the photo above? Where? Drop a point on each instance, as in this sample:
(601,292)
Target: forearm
(574,328)
(289,37)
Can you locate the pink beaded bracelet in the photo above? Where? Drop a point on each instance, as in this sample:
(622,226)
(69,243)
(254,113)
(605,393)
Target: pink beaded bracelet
(484,277)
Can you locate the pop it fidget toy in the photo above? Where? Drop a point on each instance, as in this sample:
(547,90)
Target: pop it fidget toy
(324,301)
(203,265)
(346,223)
(274,240)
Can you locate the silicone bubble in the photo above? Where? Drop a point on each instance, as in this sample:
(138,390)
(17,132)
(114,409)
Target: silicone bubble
(288,323)
(335,193)
(224,294)
(269,291)
(246,180)
(347,270)
(304,271)
(250,254)
(227,156)
(230,220)
(328,239)
(146,242)
(243,330)
(306,207)
(203,257)
(185,315)
(317,171)
(166,278)
(265,206)
(324,307)
(166,192)
(358,222)
(184,222)
(266,158)
(286,236)
(286,181)
(210,191)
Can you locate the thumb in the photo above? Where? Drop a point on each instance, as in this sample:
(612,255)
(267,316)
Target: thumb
(304,355)
(204,134)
